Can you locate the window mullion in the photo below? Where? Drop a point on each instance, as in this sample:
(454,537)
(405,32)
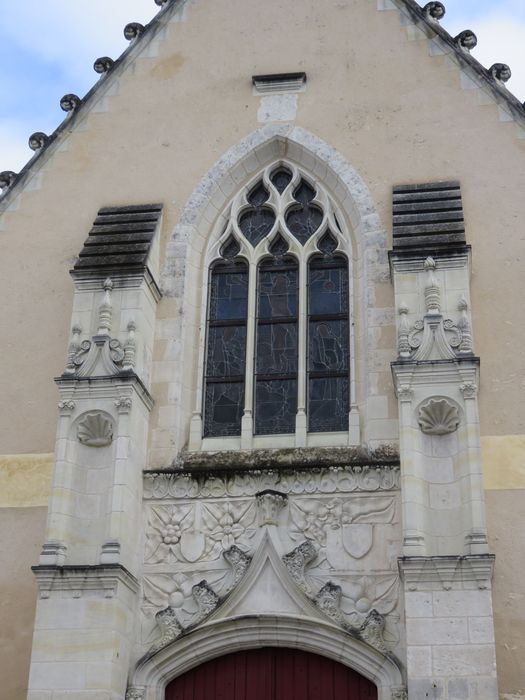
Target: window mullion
(302,331)
(247,419)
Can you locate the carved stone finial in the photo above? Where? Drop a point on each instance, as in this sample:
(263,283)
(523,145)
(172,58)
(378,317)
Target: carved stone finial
(432,291)
(103,64)
(133,30)
(466,40)
(38,140)
(70,102)
(7,178)
(403,344)
(438,417)
(128,363)
(500,72)
(105,311)
(270,503)
(74,347)
(465,346)
(434,10)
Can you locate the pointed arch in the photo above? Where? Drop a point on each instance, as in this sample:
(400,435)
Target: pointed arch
(198,237)
(252,632)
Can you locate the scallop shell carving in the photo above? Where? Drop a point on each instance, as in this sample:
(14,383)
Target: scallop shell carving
(95,430)
(438,417)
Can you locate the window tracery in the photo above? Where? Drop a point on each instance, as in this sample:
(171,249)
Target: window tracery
(278,323)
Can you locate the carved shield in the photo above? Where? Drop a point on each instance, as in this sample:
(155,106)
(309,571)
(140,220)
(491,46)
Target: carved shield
(358,539)
(192,545)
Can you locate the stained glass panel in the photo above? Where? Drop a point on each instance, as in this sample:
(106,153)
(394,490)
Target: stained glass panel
(277,348)
(328,342)
(328,346)
(226,351)
(328,290)
(328,404)
(229,293)
(257,222)
(281,178)
(277,293)
(224,409)
(276,406)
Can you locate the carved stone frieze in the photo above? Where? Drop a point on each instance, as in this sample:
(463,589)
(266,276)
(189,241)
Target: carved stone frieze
(95,430)
(438,417)
(337,527)
(324,481)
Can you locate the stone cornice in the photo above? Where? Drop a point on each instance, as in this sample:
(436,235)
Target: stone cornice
(447,570)
(76,580)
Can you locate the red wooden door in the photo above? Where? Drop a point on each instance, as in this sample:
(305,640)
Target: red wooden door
(271,674)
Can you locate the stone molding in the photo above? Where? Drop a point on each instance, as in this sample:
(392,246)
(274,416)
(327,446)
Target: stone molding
(74,581)
(349,479)
(117,389)
(251,632)
(448,571)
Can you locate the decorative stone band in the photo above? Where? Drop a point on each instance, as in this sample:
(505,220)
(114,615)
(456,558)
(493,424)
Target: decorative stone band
(348,479)
(447,571)
(74,581)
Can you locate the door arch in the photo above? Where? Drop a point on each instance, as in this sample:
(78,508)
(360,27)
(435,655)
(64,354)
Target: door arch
(271,673)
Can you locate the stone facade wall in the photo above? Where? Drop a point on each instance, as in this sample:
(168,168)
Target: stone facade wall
(388,124)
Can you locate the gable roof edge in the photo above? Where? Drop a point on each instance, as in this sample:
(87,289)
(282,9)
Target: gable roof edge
(465,59)
(103,84)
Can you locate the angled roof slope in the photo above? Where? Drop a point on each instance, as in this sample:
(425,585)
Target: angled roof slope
(139,36)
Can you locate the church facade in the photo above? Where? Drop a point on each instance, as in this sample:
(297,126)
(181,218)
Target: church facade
(272,261)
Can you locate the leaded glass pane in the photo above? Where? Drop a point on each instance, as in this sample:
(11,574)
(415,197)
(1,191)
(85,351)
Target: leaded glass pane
(224,409)
(328,346)
(230,249)
(229,294)
(277,348)
(276,406)
(277,293)
(328,404)
(328,290)
(259,195)
(226,351)
(327,244)
(281,178)
(257,222)
(279,246)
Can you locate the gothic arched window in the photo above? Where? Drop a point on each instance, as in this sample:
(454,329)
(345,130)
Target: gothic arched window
(278,328)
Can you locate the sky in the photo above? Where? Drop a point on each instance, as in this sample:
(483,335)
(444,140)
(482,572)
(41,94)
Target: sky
(47,49)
